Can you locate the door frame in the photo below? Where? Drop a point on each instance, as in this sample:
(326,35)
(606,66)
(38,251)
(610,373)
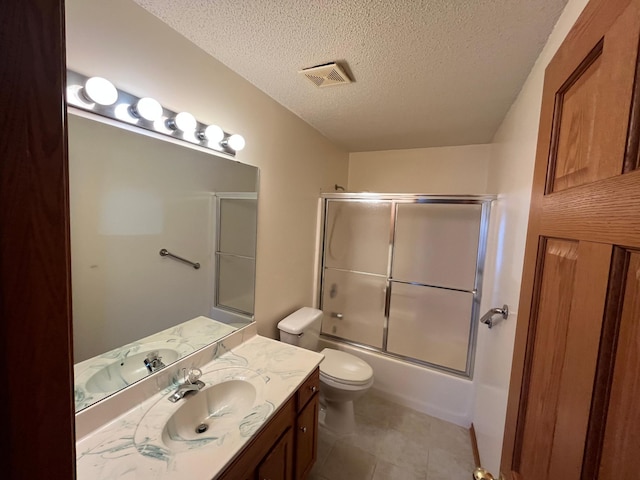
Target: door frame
(35,288)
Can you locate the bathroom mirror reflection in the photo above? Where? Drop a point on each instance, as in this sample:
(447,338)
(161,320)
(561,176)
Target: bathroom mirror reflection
(132,195)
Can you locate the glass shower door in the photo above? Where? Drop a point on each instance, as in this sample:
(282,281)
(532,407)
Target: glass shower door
(356,262)
(433,282)
(402,274)
(354,306)
(236,252)
(430,324)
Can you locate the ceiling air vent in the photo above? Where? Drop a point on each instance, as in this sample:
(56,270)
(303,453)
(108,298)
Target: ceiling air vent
(326,75)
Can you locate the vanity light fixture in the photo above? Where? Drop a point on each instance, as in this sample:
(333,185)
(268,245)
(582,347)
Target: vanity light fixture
(98,95)
(100,90)
(147,108)
(235,142)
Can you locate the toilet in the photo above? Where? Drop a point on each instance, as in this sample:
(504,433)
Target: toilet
(343,377)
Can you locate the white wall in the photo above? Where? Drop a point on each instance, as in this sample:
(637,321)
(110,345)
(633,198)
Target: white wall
(443,170)
(510,175)
(138,53)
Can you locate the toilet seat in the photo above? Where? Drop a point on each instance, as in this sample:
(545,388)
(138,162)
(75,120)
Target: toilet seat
(344,368)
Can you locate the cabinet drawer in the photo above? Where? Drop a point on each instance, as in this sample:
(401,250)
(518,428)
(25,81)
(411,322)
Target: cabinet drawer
(309,388)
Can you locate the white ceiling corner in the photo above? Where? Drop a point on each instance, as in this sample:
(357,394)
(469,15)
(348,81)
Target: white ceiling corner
(426,73)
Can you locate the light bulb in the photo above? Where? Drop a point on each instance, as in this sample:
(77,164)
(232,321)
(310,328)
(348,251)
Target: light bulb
(236,142)
(183,121)
(213,133)
(100,90)
(147,108)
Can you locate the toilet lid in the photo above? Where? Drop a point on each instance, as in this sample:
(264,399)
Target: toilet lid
(344,367)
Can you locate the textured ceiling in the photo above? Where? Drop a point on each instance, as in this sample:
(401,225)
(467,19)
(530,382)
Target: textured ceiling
(427,73)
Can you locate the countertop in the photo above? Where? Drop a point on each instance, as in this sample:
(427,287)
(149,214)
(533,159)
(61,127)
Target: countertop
(132,445)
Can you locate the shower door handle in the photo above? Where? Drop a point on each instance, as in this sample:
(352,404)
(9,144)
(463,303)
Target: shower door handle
(387,299)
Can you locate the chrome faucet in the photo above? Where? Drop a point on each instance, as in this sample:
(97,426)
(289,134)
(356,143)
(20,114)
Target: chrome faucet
(190,384)
(153,362)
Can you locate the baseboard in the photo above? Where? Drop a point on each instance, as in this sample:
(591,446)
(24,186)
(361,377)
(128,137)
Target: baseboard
(474,446)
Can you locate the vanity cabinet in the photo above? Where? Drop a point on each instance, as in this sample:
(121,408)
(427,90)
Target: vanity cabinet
(307,425)
(285,448)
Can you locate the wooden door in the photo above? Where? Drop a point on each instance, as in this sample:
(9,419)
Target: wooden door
(37,407)
(573,401)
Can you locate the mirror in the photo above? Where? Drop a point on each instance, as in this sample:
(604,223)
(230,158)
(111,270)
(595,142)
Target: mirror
(133,195)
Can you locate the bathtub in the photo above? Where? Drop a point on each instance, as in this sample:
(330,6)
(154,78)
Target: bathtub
(438,394)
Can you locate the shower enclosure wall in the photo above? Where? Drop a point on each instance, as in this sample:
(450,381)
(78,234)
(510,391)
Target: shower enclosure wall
(402,275)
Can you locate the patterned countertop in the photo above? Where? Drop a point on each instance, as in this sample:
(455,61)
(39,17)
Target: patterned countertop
(137,446)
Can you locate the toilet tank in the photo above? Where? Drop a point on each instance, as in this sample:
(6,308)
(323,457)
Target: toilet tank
(302,328)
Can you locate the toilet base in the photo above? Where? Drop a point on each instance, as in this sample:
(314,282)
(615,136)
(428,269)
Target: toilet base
(337,416)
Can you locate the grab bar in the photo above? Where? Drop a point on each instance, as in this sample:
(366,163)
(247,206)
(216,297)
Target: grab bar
(488,320)
(166,253)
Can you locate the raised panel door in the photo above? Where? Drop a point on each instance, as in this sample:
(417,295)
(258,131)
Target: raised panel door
(621,439)
(573,384)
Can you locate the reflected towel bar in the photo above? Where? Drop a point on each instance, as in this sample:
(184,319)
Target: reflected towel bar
(166,253)
(488,320)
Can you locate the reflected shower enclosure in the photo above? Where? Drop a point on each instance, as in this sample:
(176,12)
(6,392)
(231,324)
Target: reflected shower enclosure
(236,215)
(402,275)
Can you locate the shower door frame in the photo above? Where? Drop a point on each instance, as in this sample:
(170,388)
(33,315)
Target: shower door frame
(217,253)
(395,199)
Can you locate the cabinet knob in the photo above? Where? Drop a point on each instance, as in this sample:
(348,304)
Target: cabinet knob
(313,388)
(303,429)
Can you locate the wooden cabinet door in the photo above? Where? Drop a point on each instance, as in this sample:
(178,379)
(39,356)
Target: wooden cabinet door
(306,438)
(278,465)
(572,411)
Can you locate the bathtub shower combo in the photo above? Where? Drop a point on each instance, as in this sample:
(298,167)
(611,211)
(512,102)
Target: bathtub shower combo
(401,277)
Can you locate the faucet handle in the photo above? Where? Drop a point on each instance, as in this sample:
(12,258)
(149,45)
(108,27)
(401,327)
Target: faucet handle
(194,375)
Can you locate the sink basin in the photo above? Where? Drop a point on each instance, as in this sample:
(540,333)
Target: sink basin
(231,404)
(123,372)
(209,414)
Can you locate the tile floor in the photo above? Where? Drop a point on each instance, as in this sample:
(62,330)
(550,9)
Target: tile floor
(392,442)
